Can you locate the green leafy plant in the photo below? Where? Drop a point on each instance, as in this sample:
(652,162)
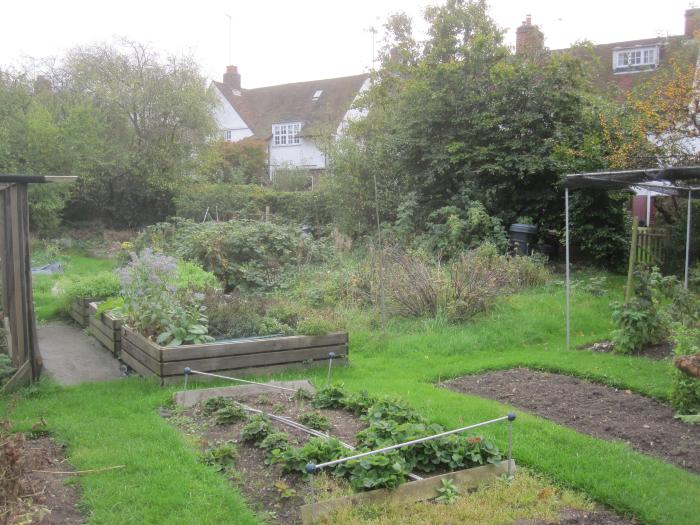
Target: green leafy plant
(221,456)
(315,450)
(447,492)
(6,368)
(387,470)
(302,395)
(359,402)
(315,420)
(640,321)
(685,390)
(283,489)
(96,286)
(257,429)
(274,441)
(213,404)
(330,396)
(229,414)
(110,304)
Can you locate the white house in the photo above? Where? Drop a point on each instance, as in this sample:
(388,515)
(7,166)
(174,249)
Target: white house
(295,120)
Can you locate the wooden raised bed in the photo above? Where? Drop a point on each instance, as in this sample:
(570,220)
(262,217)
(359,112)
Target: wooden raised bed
(411,492)
(244,357)
(106,328)
(80,310)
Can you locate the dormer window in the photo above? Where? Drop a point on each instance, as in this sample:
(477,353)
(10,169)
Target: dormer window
(635,59)
(286,134)
(317,95)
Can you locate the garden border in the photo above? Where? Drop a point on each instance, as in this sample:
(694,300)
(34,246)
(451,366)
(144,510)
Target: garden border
(246,356)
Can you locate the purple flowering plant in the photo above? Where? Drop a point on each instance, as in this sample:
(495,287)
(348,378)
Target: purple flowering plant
(155,306)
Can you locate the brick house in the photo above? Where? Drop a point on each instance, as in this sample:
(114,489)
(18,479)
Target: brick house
(294,120)
(623,66)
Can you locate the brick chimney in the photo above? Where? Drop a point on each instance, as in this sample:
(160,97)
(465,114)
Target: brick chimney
(232,78)
(528,38)
(692,21)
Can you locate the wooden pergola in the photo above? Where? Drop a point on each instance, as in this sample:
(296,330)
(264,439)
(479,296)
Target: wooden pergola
(676,181)
(17,313)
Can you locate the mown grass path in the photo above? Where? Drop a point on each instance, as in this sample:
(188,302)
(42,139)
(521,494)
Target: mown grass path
(118,422)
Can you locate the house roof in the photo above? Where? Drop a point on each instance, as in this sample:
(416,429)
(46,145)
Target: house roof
(670,181)
(260,108)
(683,48)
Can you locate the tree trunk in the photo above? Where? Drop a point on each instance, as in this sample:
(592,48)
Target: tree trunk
(689,364)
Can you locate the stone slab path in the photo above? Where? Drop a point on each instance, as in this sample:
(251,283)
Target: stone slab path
(71,357)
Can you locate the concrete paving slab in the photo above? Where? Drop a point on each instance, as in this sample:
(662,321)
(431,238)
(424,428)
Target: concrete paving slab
(71,357)
(188,398)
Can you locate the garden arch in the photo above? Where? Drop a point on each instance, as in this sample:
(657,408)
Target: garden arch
(679,182)
(16,277)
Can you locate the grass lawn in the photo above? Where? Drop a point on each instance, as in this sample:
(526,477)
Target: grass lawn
(48,302)
(118,423)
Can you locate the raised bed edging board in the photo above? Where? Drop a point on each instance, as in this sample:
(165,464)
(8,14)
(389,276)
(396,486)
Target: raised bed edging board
(106,328)
(80,310)
(411,492)
(246,357)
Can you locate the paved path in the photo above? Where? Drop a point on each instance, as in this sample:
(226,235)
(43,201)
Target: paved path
(72,357)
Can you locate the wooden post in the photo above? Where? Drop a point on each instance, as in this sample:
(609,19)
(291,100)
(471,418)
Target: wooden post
(633,259)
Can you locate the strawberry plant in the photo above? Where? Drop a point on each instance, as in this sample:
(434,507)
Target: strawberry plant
(330,396)
(229,414)
(315,420)
(276,441)
(257,429)
(315,450)
(382,470)
(213,404)
(222,456)
(447,492)
(359,403)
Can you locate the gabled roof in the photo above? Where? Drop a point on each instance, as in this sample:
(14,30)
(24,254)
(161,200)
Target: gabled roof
(681,47)
(260,108)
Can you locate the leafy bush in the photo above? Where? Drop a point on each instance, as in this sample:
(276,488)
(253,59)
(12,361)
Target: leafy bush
(193,278)
(291,179)
(640,321)
(96,286)
(685,390)
(257,429)
(229,414)
(358,403)
(247,255)
(46,204)
(315,420)
(155,307)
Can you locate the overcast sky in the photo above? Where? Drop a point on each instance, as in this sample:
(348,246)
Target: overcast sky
(276,41)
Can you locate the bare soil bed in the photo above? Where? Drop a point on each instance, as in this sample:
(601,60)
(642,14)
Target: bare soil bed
(273,494)
(597,410)
(44,497)
(659,352)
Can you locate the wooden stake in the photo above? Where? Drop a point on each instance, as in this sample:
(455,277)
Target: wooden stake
(633,260)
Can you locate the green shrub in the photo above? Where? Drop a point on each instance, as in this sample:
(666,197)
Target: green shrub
(192,278)
(640,321)
(274,443)
(318,326)
(685,390)
(291,179)
(97,286)
(246,255)
(46,204)
(6,368)
(257,429)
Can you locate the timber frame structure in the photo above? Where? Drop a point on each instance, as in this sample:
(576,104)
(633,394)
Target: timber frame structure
(17,313)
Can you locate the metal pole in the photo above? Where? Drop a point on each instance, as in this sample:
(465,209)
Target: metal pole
(331,355)
(687,238)
(239,380)
(509,417)
(568,270)
(187,375)
(510,446)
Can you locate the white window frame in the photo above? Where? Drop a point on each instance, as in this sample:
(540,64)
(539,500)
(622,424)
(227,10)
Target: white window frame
(635,58)
(286,134)
(228,135)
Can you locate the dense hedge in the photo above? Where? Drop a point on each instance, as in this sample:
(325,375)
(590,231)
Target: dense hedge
(247,201)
